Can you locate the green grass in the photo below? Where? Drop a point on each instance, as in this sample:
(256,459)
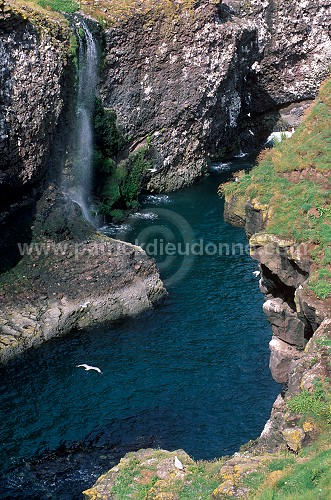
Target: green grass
(315,404)
(298,208)
(202,481)
(310,146)
(132,482)
(310,480)
(109,12)
(127,484)
(68,6)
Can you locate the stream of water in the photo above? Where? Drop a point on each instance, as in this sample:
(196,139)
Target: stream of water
(192,374)
(87,78)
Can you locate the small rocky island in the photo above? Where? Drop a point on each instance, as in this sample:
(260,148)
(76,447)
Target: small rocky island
(102,101)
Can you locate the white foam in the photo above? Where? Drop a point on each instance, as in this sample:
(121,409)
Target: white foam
(279,136)
(220,167)
(144,215)
(155,199)
(114,229)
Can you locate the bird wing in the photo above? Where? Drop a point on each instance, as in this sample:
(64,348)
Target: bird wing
(88,367)
(178,464)
(96,369)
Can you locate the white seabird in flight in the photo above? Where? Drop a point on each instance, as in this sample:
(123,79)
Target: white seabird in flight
(88,367)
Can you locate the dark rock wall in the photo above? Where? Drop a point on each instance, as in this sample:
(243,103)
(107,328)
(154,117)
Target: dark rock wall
(35,83)
(295,50)
(190,82)
(179,80)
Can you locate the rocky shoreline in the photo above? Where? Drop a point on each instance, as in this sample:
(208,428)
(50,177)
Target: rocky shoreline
(71,277)
(188,88)
(298,319)
(301,326)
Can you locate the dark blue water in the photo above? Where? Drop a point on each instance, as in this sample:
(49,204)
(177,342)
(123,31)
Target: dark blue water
(191,374)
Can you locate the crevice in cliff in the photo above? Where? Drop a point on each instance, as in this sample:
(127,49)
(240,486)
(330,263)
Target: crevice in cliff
(287,322)
(272,285)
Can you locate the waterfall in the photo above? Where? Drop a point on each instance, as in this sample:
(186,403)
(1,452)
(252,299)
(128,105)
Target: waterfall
(81,190)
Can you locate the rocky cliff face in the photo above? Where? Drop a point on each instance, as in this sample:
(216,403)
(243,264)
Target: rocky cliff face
(294,50)
(34,87)
(71,277)
(293,312)
(188,83)
(300,322)
(58,253)
(181,82)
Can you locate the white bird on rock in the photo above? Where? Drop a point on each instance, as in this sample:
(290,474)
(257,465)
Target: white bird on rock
(178,464)
(88,367)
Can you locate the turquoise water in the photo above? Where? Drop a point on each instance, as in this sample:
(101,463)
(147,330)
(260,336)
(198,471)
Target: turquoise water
(191,374)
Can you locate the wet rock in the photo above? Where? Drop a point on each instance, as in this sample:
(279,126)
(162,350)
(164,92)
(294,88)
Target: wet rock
(84,278)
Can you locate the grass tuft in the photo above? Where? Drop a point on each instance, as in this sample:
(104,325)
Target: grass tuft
(294,180)
(68,6)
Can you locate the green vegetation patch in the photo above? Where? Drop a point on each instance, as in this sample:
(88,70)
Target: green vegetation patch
(310,146)
(201,482)
(141,482)
(316,404)
(128,484)
(308,480)
(114,11)
(68,6)
(124,183)
(118,183)
(293,180)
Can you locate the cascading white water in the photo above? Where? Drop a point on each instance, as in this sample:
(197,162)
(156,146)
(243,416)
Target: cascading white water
(81,190)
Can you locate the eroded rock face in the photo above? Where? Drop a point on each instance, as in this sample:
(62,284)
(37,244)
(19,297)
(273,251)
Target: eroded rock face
(33,94)
(33,59)
(302,373)
(179,80)
(188,82)
(287,260)
(295,50)
(71,277)
(293,313)
(285,323)
(281,355)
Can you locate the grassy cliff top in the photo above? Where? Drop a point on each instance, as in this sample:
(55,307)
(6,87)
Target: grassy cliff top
(151,474)
(293,181)
(111,11)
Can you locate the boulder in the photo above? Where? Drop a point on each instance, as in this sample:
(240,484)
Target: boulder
(281,356)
